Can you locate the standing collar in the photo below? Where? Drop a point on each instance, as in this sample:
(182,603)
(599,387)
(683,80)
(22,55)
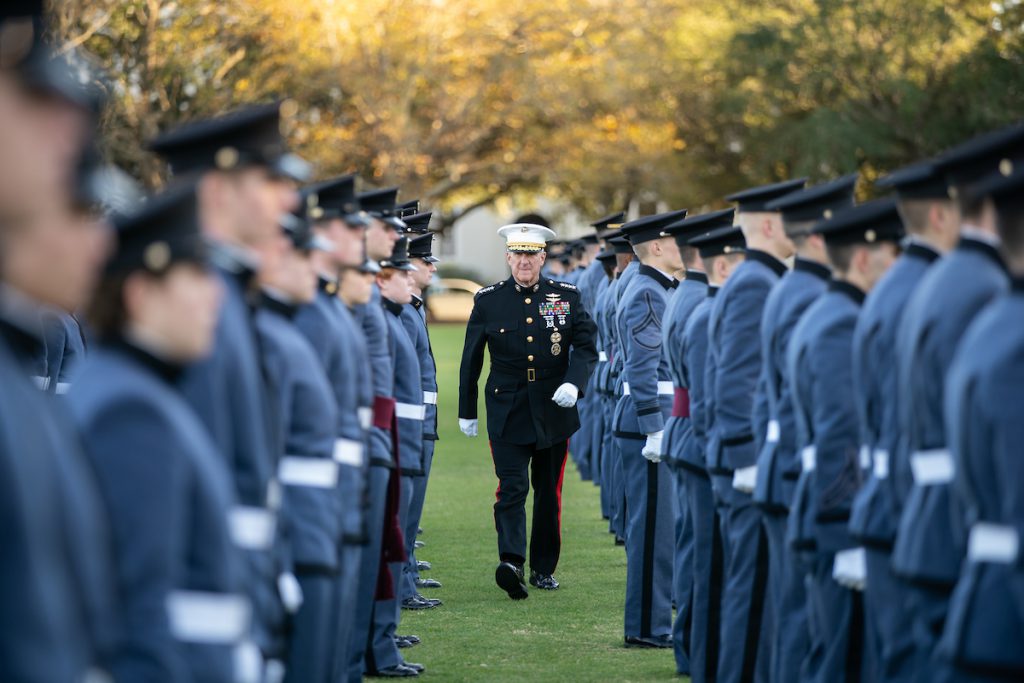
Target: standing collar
(777,266)
(277,302)
(168,371)
(712,290)
(813,267)
(971,242)
(696,275)
(395,309)
(666,281)
(855,293)
(922,250)
(524,289)
(1017,284)
(417,302)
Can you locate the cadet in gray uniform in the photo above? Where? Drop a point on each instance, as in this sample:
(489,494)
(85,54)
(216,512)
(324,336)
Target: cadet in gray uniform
(245,184)
(774,426)
(985,625)
(735,350)
(928,553)
(862,243)
(932,222)
(719,252)
(639,429)
(690,292)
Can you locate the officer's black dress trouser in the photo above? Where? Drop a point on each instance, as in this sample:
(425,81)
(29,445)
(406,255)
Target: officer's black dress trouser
(516,466)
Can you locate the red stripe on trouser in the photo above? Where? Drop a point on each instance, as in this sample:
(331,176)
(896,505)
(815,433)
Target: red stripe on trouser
(558,492)
(497,493)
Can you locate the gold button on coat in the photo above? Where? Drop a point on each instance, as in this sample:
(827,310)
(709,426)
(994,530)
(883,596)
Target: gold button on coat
(529,321)
(529,358)
(529,339)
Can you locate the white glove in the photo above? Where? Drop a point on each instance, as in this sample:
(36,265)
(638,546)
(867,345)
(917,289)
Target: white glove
(566,395)
(849,569)
(652,447)
(468,427)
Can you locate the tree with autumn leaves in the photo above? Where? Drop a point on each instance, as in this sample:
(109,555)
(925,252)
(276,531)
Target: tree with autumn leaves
(593,102)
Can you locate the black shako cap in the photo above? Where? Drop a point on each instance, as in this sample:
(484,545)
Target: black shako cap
(651,228)
(756,198)
(817,202)
(725,240)
(868,223)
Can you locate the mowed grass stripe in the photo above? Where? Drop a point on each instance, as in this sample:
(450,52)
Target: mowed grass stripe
(573,634)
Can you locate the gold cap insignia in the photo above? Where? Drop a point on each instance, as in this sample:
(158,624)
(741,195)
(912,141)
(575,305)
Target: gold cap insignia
(157,256)
(226,158)
(870,236)
(1006,168)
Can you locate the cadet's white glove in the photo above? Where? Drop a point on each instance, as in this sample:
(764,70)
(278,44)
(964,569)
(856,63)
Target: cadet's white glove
(652,448)
(468,427)
(849,569)
(566,395)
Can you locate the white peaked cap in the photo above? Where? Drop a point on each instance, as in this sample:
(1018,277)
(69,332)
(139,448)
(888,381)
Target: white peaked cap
(526,237)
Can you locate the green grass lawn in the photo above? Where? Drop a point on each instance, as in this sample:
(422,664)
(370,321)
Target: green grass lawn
(573,634)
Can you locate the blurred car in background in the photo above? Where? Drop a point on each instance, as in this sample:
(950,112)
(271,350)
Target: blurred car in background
(450,300)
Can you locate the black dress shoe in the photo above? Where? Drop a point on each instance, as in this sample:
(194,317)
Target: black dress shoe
(428,583)
(410,639)
(419,530)
(401,643)
(397,671)
(433,602)
(509,578)
(414,603)
(418,544)
(545,582)
(620,541)
(658,642)
(423,566)
(418,668)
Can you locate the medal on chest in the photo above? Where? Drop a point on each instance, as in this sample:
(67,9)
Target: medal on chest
(552,309)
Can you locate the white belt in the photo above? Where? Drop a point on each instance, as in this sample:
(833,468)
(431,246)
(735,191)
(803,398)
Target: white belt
(349,452)
(881,463)
(932,467)
(744,479)
(664,389)
(865,457)
(773,433)
(63,387)
(411,411)
(290,591)
(602,356)
(850,568)
(993,543)
(365,417)
(199,617)
(252,528)
(809,458)
(430,398)
(314,472)
(41,382)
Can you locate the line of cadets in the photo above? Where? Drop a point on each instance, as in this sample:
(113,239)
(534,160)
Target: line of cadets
(806,424)
(219,473)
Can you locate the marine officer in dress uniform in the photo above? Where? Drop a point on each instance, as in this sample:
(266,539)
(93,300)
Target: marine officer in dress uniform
(778,464)
(692,290)
(734,344)
(862,243)
(720,251)
(245,182)
(541,344)
(59,618)
(929,551)
(168,492)
(932,222)
(984,430)
(645,404)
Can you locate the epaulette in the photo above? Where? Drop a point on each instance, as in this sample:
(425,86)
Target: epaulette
(488,290)
(564,285)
